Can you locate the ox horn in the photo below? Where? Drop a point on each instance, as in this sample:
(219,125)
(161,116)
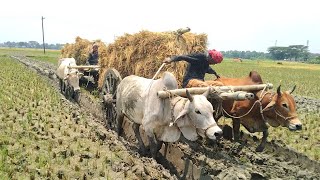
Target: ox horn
(189,95)
(207,92)
(279,90)
(294,88)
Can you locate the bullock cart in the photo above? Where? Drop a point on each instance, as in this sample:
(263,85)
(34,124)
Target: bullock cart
(69,82)
(88,72)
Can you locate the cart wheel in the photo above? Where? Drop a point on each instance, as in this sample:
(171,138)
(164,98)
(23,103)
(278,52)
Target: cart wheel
(111,81)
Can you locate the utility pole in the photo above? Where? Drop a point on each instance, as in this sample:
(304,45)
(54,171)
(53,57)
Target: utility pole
(275,44)
(308,43)
(44,47)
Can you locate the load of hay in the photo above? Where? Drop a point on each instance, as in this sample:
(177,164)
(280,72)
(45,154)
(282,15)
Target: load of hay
(141,53)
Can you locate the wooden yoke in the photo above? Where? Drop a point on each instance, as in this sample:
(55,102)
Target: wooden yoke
(84,67)
(225,92)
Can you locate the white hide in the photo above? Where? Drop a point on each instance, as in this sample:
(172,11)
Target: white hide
(63,69)
(137,99)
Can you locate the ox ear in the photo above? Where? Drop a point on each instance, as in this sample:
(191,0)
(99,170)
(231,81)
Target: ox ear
(189,96)
(67,76)
(279,90)
(181,114)
(207,93)
(270,105)
(294,87)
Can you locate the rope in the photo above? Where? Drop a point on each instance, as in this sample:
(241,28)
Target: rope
(225,112)
(158,71)
(262,95)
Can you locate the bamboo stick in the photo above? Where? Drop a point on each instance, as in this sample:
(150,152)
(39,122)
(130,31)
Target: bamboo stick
(83,67)
(214,89)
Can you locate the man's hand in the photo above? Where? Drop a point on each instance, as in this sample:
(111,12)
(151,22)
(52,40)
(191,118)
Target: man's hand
(167,60)
(217,76)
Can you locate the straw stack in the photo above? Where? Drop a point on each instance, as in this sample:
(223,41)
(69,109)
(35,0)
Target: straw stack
(142,53)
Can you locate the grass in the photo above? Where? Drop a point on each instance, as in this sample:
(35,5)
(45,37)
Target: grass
(51,56)
(39,136)
(288,74)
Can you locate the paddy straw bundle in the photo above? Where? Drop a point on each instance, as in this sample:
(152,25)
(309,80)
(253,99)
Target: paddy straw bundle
(142,53)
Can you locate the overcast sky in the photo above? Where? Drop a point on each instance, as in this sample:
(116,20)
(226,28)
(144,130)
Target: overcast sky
(230,24)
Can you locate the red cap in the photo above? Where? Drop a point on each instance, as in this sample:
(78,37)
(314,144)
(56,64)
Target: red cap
(216,56)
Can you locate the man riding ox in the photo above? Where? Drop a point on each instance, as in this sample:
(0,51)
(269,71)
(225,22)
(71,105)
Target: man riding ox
(163,120)
(275,108)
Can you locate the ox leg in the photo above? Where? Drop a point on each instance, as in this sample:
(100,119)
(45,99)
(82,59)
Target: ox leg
(262,145)
(166,144)
(119,123)
(159,145)
(136,128)
(154,146)
(61,85)
(236,129)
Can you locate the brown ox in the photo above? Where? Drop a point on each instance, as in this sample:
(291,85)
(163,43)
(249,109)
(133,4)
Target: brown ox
(237,60)
(275,108)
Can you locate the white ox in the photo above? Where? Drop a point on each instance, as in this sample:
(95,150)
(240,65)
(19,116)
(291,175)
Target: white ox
(68,77)
(163,120)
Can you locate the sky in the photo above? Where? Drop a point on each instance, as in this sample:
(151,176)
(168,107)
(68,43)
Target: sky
(252,25)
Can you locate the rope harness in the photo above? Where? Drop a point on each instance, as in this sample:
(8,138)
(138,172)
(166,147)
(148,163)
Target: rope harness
(262,110)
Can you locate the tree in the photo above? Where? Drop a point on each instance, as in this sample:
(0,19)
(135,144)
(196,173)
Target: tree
(292,52)
(278,52)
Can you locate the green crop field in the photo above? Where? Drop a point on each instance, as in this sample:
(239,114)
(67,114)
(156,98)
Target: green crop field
(42,138)
(50,55)
(288,74)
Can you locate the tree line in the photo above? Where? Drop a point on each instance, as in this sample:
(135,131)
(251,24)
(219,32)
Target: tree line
(290,53)
(30,44)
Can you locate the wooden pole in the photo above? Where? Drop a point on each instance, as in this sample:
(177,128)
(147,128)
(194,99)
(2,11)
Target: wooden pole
(182,31)
(44,47)
(83,67)
(214,89)
(239,95)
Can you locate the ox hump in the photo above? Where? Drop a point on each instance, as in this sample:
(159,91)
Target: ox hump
(255,77)
(169,80)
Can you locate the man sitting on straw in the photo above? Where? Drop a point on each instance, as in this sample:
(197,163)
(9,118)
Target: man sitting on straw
(197,68)
(93,55)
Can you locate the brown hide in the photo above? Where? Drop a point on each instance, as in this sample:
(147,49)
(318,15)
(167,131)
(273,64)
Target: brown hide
(276,109)
(237,60)
(283,112)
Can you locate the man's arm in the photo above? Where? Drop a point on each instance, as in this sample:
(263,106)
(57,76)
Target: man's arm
(191,58)
(212,71)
